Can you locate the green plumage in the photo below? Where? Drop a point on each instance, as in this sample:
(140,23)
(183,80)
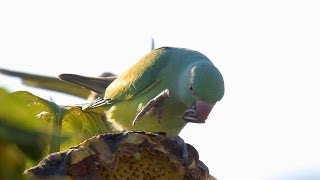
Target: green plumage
(188,75)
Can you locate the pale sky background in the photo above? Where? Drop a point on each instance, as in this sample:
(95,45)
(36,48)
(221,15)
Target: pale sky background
(268,124)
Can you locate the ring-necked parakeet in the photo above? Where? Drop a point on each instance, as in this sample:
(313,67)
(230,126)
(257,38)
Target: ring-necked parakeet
(163,91)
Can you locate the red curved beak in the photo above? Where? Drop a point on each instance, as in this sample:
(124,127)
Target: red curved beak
(203,110)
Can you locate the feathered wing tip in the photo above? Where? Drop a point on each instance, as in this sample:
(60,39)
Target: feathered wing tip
(96,103)
(96,84)
(48,82)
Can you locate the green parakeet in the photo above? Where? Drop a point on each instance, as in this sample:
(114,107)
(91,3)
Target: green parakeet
(162,92)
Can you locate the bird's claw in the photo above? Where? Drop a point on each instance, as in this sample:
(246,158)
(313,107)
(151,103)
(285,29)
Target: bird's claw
(202,166)
(189,153)
(153,106)
(183,147)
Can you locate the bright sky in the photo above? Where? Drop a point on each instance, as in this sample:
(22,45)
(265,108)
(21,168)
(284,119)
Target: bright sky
(266,126)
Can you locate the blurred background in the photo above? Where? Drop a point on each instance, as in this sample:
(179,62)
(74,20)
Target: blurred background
(266,126)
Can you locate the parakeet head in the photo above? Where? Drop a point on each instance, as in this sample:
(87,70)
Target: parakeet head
(205,87)
(206,82)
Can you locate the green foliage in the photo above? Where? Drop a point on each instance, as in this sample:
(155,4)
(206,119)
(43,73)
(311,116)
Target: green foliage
(80,125)
(32,127)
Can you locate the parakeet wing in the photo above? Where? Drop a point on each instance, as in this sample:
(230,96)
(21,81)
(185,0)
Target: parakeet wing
(139,78)
(49,83)
(96,84)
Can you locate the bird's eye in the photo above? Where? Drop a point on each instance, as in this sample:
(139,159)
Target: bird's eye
(190,87)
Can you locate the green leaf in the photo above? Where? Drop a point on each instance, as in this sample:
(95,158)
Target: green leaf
(20,124)
(80,125)
(32,127)
(12,162)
